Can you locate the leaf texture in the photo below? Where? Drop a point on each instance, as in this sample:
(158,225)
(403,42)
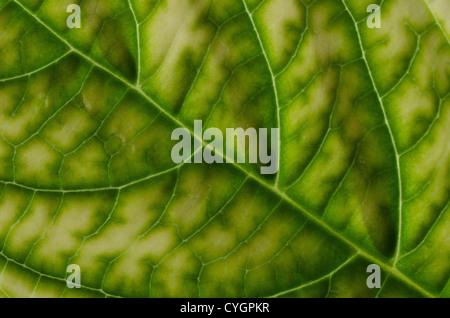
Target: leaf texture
(86,175)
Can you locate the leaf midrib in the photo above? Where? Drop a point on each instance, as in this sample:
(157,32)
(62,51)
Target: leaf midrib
(386,266)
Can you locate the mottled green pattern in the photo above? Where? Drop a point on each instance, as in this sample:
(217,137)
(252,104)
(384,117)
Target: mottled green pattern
(86,176)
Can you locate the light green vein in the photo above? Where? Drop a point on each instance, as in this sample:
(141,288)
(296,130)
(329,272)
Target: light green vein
(8,259)
(36,70)
(274,84)
(328,275)
(396,153)
(437,21)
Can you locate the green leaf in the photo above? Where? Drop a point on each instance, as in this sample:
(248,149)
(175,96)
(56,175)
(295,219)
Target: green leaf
(86,175)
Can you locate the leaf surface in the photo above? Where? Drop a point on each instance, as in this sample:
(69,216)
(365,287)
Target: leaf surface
(86,175)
